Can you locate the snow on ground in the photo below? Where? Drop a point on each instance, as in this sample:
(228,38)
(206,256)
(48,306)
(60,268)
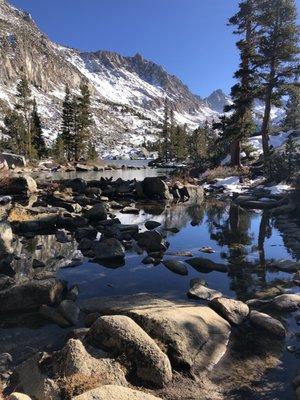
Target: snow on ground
(231,184)
(275,141)
(279,189)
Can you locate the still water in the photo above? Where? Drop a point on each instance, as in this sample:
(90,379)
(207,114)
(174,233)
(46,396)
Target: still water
(246,240)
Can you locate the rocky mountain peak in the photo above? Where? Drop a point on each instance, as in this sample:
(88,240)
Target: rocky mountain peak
(217,100)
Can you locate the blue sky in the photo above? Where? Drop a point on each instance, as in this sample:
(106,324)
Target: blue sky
(189,38)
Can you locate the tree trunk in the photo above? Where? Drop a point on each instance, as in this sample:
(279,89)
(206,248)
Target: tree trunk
(265,125)
(235,154)
(267,112)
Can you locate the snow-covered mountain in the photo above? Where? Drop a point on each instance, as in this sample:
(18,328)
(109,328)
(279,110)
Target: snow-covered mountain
(128,93)
(218,100)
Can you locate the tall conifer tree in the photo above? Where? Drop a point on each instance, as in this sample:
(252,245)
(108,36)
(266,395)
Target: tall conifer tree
(38,141)
(238,124)
(277,57)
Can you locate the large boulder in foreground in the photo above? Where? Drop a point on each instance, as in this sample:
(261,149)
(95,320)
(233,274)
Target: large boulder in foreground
(17,185)
(195,337)
(30,295)
(121,335)
(112,392)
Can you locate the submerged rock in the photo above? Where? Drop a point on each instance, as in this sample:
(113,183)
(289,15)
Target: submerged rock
(178,267)
(206,265)
(121,335)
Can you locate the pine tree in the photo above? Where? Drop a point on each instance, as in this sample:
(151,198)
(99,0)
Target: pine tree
(83,122)
(292,119)
(179,143)
(277,57)
(58,150)
(68,123)
(24,107)
(238,124)
(199,144)
(92,153)
(15,134)
(37,133)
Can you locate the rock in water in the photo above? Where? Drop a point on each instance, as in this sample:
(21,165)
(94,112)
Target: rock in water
(268,323)
(199,291)
(112,392)
(152,241)
(155,188)
(206,265)
(178,267)
(286,302)
(233,311)
(152,225)
(108,249)
(121,335)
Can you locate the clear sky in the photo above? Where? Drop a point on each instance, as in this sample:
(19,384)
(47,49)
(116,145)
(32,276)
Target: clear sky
(189,38)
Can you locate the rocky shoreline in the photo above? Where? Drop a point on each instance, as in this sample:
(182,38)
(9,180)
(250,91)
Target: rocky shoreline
(139,346)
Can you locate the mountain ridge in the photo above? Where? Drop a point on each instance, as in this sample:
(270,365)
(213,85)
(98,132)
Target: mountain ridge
(128,92)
